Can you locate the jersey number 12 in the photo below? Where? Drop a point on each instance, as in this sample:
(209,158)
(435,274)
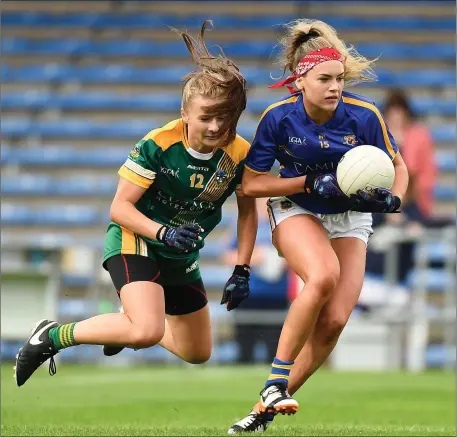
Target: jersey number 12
(196,180)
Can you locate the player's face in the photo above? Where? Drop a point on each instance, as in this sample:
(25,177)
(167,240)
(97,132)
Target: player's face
(323,85)
(205,127)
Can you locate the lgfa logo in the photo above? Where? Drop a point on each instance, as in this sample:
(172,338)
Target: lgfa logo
(296,140)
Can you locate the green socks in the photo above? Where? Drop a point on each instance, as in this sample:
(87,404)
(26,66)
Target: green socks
(62,336)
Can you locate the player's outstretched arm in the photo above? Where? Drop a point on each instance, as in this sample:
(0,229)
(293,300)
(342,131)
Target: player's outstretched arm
(237,287)
(246,228)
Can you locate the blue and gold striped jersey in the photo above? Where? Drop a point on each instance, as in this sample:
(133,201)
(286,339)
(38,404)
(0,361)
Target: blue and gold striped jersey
(286,133)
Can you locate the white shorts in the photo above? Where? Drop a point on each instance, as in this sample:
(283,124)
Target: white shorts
(342,225)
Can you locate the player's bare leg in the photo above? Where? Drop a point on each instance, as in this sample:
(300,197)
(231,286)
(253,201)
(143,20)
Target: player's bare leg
(304,243)
(142,326)
(325,334)
(335,313)
(189,336)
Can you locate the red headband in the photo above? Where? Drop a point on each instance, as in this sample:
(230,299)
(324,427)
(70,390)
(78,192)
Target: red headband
(312,59)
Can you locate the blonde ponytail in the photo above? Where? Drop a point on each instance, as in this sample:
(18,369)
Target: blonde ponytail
(305,35)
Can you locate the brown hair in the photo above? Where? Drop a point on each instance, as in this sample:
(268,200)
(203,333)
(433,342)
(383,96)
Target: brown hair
(305,35)
(216,77)
(396,98)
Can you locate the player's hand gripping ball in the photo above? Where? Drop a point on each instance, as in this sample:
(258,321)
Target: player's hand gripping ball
(380,200)
(324,185)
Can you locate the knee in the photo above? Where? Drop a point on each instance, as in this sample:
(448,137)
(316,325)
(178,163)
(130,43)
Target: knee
(145,336)
(325,281)
(329,327)
(198,357)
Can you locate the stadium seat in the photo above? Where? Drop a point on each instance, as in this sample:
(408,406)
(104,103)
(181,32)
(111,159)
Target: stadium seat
(136,128)
(45,185)
(222,21)
(446,161)
(438,355)
(390,23)
(28,185)
(445,192)
(51,215)
(432,279)
(159,101)
(438,251)
(176,49)
(407,51)
(126,73)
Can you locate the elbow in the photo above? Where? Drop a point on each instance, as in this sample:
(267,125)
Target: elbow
(114,212)
(248,190)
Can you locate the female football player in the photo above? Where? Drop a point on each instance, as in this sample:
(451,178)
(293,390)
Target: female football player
(319,231)
(169,198)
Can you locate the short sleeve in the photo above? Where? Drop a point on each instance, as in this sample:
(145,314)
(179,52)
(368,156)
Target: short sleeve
(378,133)
(140,168)
(239,173)
(263,151)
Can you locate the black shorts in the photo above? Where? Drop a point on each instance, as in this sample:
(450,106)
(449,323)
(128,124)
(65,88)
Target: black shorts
(179,299)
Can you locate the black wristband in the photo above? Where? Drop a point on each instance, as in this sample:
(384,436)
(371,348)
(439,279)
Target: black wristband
(242,270)
(397,203)
(161,233)
(309,183)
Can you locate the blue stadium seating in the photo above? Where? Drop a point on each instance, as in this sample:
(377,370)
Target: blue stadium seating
(97,20)
(446,161)
(437,251)
(256,76)
(162,102)
(45,185)
(176,49)
(137,128)
(65,156)
(437,355)
(433,279)
(29,185)
(445,192)
(52,215)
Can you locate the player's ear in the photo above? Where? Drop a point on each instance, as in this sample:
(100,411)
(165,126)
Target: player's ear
(299,84)
(184,116)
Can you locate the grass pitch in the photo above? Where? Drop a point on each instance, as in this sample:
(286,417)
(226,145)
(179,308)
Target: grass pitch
(207,400)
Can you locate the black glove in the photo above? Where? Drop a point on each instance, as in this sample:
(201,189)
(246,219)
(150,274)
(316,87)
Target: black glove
(181,237)
(324,185)
(237,287)
(382,200)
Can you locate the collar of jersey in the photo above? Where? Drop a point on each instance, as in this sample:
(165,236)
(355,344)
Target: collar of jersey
(335,121)
(198,155)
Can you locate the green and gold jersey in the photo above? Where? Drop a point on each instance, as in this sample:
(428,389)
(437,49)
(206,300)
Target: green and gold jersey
(183,186)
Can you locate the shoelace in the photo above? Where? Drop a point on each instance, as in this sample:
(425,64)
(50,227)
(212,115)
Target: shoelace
(52,367)
(252,420)
(274,390)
